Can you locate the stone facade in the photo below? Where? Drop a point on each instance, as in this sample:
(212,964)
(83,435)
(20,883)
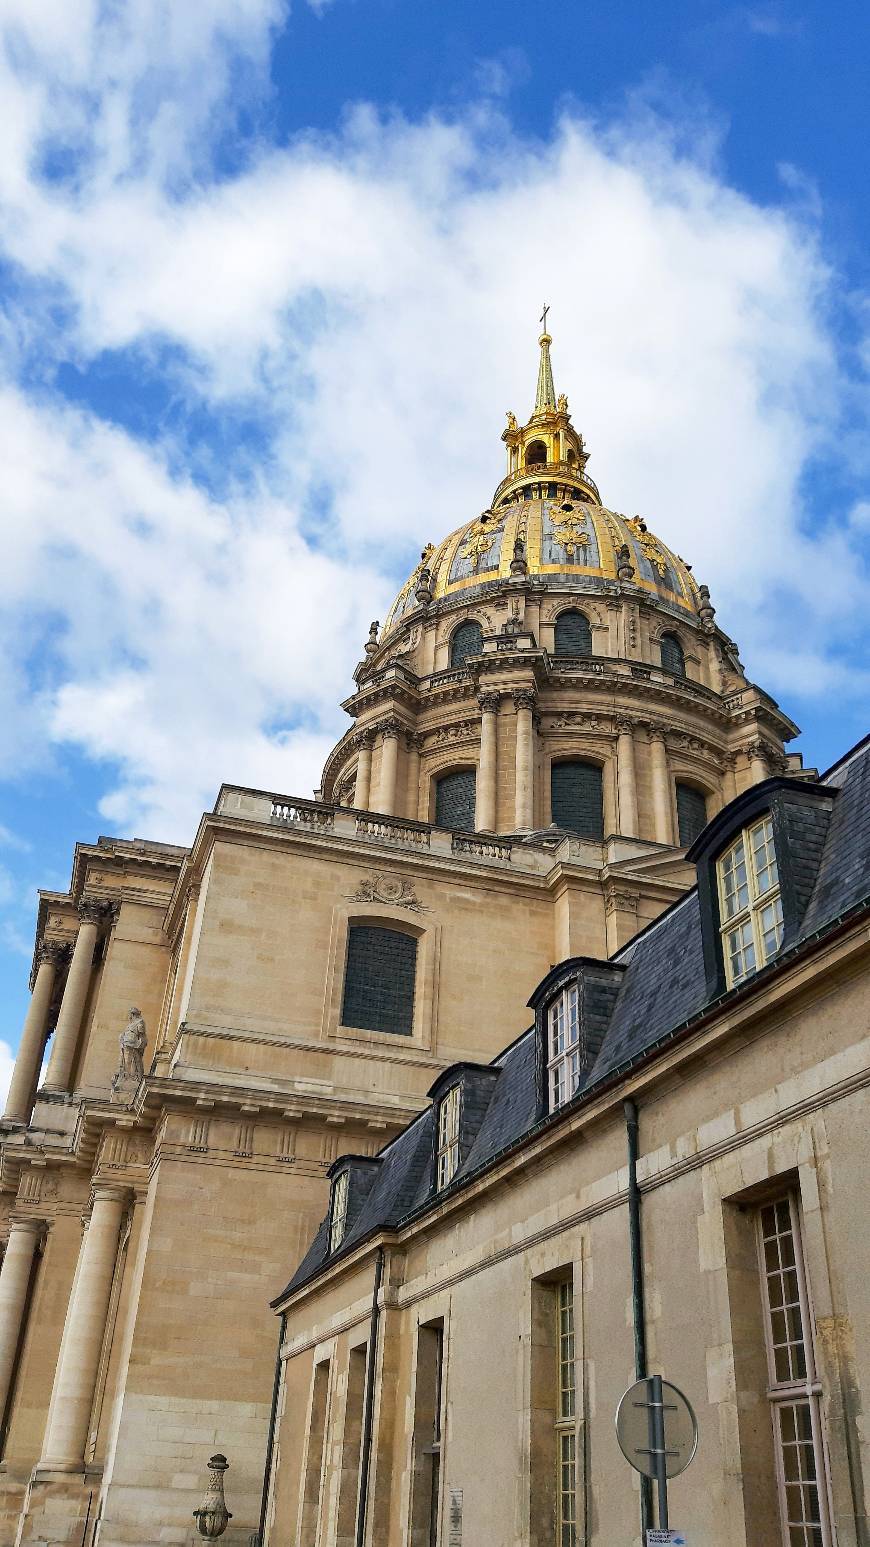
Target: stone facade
(149,1220)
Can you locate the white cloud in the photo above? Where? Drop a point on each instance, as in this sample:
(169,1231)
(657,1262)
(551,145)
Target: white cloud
(371,299)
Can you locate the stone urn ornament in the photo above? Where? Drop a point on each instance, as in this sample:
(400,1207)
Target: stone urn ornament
(213,1517)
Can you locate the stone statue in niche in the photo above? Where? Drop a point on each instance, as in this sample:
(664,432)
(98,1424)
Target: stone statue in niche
(132,1069)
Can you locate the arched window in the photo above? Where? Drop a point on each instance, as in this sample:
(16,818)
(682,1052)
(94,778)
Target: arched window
(572,634)
(691,813)
(571,457)
(379,980)
(467,640)
(576,798)
(454,799)
(536,454)
(673,659)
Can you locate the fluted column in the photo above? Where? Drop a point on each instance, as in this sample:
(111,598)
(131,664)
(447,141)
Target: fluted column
(69,1021)
(24,1237)
(19,1102)
(524,810)
(363,788)
(389,768)
(75,1379)
(661,788)
(485,815)
(626,781)
(412,775)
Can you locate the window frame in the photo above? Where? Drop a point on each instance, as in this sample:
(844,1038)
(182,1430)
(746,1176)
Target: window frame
(795,1392)
(566,1060)
(465,623)
(746,919)
(468,770)
(673,638)
(447,1136)
(562,761)
(338,1204)
(704,795)
(384,927)
(565,1408)
(573,612)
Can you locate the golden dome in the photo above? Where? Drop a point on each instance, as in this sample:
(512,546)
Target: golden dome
(547,525)
(568,544)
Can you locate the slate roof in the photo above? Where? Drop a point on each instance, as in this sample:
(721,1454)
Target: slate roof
(663,988)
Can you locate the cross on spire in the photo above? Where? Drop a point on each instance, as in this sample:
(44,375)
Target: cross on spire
(544,318)
(546,393)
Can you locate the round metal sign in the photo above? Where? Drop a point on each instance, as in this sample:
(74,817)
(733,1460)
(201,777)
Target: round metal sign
(635,1428)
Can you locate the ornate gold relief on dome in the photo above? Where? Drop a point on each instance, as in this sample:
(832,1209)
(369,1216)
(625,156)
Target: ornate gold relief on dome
(480,538)
(569,529)
(648,544)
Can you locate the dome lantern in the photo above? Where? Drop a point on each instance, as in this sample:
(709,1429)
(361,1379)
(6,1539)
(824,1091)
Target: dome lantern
(547,445)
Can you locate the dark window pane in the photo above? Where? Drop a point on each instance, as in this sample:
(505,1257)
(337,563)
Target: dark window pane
(573,636)
(691,813)
(379,980)
(468,640)
(575,790)
(454,800)
(673,659)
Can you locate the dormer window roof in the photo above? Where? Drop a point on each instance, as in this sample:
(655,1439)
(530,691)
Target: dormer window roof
(572,1009)
(338,1210)
(757,863)
(352,1178)
(460,1096)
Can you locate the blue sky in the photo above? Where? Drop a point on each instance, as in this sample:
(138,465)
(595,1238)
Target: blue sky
(270,281)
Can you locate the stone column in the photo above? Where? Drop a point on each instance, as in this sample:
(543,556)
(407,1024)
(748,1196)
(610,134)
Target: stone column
(758,769)
(362,791)
(24,1237)
(72,1397)
(626,781)
(69,1021)
(524,811)
(661,786)
(485,816)
(19,1102)
(389,768)
(412,775)
(729,778)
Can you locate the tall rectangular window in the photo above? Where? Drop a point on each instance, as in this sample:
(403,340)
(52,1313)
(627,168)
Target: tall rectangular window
(312,1480)
(750,906)
(379,980)
(351,1444)
(426,1439)
(793,1391)
(448,1136)
(338,1211)
(566,1432)
(563,1047)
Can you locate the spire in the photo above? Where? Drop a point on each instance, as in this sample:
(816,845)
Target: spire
(546,397)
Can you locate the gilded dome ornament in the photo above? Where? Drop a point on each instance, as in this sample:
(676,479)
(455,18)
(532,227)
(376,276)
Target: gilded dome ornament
(480,538)
(569,529)
(648,544)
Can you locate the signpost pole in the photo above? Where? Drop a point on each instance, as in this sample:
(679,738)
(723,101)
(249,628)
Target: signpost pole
(657,1426)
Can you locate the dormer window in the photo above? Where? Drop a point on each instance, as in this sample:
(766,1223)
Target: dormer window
(750,904)
(563,1046)
(447,1159)
(338,1211)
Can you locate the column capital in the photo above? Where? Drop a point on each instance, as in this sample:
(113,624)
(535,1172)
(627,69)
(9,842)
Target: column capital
(109,1192)
(92,910)
(413,741)
(27,1224)
(524,698)
(488,702)
(55,952)
(625,726)
(363,739)
(391,727)
(656,733)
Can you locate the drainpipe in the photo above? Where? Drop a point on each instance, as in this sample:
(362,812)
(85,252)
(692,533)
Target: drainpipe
(270,1442)
(369,1403)
(637,1296)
